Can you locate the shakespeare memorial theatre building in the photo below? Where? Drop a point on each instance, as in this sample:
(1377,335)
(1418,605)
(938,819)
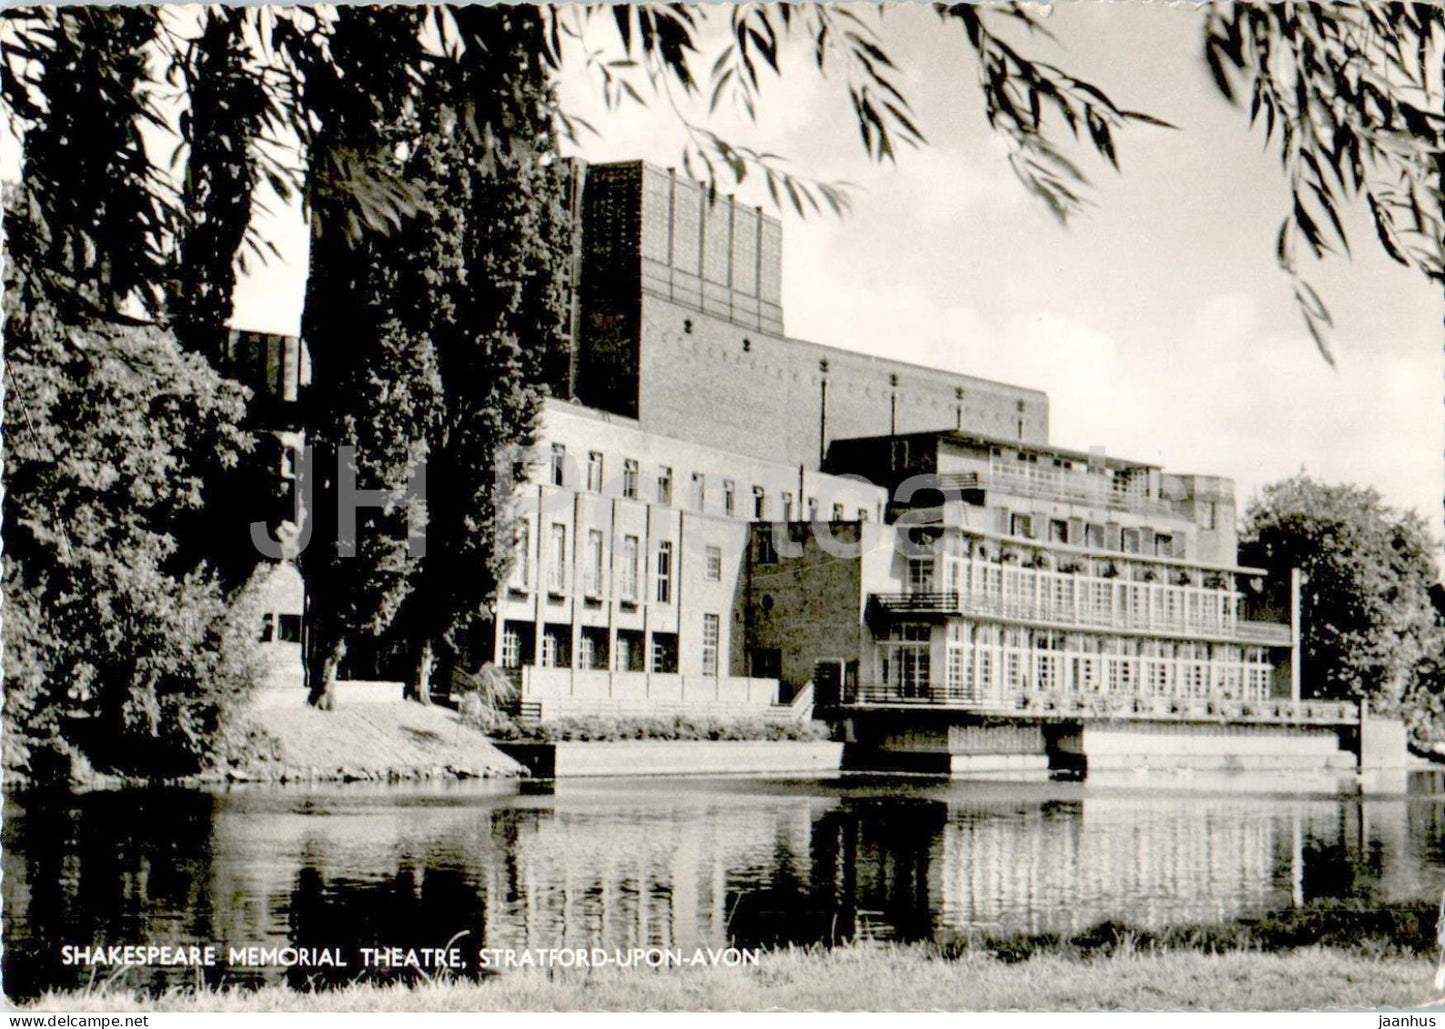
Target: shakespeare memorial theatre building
(720,519)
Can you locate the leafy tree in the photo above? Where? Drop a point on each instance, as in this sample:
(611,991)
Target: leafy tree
(113,645)
(476,275)
(372,366)
(493,280)
(78,81)
(120,644)
(1366,615)
(1423,705)
(346,85)
(227,110)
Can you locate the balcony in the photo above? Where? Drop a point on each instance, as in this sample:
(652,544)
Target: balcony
(915,603)
(1265,634)
(1066,600)
(1049,484)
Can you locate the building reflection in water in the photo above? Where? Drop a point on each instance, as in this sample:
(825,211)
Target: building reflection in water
(704,866)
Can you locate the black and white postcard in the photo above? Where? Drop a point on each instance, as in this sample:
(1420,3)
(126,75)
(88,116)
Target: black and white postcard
(706,507)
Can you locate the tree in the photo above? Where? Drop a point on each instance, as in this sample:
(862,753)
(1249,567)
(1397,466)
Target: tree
(476,277)
(114,646)
(494,280)
(77,86)
(1366,615)
(347,85)
(227,111)
(120,642)
(373,367)
(1423,704)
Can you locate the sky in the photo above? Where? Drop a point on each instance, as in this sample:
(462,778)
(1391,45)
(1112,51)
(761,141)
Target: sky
(1157,322)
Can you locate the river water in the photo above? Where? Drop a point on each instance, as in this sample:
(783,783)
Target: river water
(669,863)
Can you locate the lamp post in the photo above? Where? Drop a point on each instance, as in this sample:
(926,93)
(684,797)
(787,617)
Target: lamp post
(822,412)
(1298,577)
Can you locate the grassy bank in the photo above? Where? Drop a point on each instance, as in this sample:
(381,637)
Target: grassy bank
(1365,928)
(391,741)
(874,979)
(372,741)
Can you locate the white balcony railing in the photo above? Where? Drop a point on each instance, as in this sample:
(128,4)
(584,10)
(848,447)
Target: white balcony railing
(1083,703)
(1055,484)
(988,589)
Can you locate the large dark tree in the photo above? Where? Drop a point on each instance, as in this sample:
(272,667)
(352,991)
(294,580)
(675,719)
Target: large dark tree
(115,644)
(492,281)
(368,407)
(226,111)
(1366,617)
(473,277)
(78,85)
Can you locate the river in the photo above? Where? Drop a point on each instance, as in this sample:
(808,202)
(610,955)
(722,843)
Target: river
(669,863)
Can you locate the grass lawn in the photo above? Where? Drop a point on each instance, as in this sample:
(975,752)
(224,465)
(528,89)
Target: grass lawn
(379,737)
(874,978)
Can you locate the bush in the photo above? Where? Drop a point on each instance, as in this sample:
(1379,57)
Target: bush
(118,646)
(605,729)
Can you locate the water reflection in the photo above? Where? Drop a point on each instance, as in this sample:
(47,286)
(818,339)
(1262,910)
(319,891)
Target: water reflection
(686,865)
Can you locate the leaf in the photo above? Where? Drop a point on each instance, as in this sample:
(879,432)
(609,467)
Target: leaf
(1385,231)
(1216,69)
(1148,119)
(717,91)
(1307,225)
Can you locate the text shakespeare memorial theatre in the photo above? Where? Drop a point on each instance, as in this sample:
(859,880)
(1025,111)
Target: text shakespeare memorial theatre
(719,520)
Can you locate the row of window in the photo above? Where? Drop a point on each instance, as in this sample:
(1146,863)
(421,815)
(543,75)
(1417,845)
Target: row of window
(1095,536)
(982,666)
(632,488)
(634,649)
(1086,644)
(629,564)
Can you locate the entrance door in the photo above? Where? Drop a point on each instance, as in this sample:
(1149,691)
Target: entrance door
(827,683)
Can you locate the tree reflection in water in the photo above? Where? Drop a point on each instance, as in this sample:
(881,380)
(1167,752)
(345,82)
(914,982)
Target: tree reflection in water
(705,864)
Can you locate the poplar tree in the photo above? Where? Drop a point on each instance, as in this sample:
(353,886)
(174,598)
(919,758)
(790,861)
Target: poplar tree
(495,282)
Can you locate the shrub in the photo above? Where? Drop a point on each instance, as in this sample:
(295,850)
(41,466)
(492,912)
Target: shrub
(601,729)
(119,643)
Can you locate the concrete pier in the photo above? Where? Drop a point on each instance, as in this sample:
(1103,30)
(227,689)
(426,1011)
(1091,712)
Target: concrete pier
(1313,756)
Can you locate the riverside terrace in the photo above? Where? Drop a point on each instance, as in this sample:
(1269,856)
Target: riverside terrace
(977,653)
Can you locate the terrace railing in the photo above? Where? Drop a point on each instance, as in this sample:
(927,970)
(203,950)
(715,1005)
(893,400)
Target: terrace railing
(1103,705)
(946,602)
(1008,592)
(1049,484)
